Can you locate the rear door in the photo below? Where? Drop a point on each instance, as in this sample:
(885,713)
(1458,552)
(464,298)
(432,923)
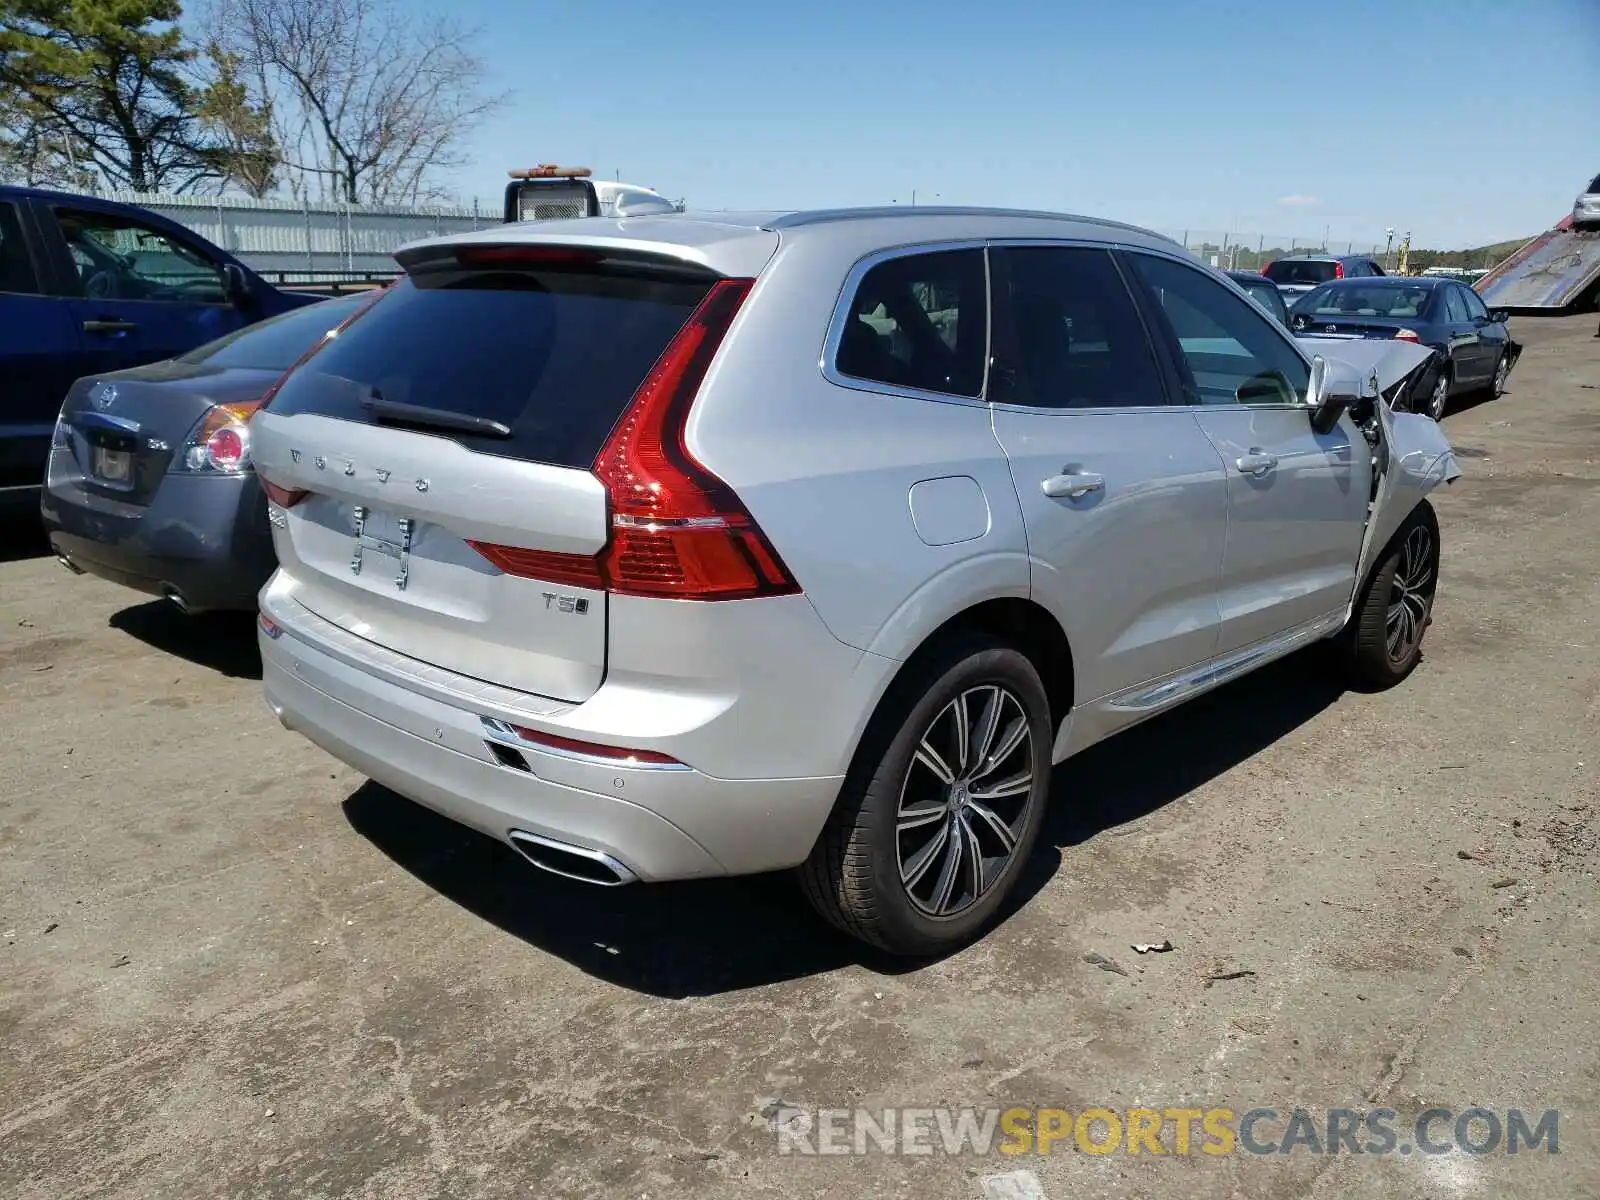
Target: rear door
(143,292)
(1466,336)
(39,355)
(467,406)
(1297,499)
(1122,495)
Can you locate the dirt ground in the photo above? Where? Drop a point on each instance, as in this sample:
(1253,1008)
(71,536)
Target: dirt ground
(229,966)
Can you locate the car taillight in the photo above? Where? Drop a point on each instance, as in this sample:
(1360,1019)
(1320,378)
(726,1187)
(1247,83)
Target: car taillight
(617,754)
(282,496)
(220,443)
(1406,335)
(1265,268)
(1338,270)
(677,531)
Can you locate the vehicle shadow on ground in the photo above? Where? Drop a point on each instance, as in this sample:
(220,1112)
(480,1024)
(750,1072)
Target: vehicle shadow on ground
(22,534)
(671,940)
(225,642)
(712,936)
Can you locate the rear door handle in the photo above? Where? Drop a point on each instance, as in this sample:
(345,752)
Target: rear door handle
(1257,463)
(1072,485)
(109,326)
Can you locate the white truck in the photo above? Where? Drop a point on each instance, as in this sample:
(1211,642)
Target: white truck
(548,191)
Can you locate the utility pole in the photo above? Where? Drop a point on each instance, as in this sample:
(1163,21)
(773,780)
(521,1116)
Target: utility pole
(1388,245)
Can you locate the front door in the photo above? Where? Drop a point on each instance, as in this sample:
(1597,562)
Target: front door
(1123,497)
(144,293)
(1297,499)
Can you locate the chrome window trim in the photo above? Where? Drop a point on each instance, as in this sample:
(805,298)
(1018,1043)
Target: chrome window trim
(841,314)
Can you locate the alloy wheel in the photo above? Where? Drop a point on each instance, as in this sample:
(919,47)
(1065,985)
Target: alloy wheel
(1501,371)
(964,800)
(1410,594)
(1440,399)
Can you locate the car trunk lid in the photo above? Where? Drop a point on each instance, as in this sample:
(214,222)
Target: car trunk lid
(466,409)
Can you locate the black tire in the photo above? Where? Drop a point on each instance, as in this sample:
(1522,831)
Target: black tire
(1382,645)
(1497,386)
(854,875)
(1437,402)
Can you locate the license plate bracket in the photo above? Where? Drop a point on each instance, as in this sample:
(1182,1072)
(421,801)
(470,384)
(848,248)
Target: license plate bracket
(385,535)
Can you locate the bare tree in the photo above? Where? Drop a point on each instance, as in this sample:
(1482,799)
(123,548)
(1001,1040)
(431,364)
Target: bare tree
(368,104)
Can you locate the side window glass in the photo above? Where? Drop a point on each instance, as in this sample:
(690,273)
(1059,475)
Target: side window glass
(1075,339)
(119,259)
(1456,306)
(16,268)
(919,321)
(1229,351)
(1475,306)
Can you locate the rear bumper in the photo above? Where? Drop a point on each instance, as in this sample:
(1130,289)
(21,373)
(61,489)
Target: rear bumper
(658,823)
(204,537)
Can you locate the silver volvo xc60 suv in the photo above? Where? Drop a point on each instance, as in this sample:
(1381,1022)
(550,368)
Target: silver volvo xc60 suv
(685,546)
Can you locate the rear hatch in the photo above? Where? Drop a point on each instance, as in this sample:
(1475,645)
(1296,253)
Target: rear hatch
(465,409)
(1296,276)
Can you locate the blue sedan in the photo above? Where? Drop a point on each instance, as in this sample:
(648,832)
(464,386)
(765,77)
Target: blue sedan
(1473,348)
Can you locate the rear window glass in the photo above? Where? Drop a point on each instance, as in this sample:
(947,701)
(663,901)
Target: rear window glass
(920,321)
(274,344)
(1299,270)
(1366,300)
(554,353)
(1264,294)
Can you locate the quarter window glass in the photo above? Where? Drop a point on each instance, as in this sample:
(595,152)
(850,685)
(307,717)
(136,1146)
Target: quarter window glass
(119,259)
(1076,340)
(16,268)
(920,321)
(1456,306)
(1230,353)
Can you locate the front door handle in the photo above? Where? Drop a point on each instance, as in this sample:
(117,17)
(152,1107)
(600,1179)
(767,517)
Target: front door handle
(1072,485)
(1258,463)
(109,326)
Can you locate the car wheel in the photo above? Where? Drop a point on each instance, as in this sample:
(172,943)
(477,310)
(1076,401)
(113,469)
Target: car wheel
(1439,397)
(1383,642)
(942,805)
(1502,371)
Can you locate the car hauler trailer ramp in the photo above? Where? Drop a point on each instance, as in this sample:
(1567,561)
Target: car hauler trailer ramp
(1553,272)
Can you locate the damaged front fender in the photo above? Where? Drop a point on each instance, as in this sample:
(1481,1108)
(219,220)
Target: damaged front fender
(1411,457)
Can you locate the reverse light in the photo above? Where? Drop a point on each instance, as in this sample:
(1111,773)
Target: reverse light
(676,530)
(1406,335)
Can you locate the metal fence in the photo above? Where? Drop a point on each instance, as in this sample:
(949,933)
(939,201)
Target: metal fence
(293,242)
(1252,251)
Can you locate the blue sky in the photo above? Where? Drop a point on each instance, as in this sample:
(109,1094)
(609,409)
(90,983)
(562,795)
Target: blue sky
(1464,121)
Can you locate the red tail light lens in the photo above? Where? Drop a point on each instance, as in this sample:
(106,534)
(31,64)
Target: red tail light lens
(282,496)
(1265,267)
(1406,335)
(677,531)
(1338,270)
(593,749)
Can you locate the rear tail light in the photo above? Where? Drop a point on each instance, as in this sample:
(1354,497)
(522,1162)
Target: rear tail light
(1338,270)
(677,531)
(1266,267)
(220,443)
(283,497)
(1406,335)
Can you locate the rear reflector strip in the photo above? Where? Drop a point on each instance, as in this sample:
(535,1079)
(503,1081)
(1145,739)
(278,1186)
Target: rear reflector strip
(521,737)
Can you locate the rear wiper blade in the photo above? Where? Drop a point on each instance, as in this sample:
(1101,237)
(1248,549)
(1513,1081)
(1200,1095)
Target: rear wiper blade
(418,416)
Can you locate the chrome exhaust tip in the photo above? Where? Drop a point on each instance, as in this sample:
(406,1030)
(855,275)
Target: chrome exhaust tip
(69,564)
(570,862)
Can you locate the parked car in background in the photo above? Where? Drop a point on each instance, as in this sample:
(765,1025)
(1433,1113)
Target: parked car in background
(88,286)
(1264,292)
(1586,208)
(1474,348)
(656,553)
(149,481)
(1297,275)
